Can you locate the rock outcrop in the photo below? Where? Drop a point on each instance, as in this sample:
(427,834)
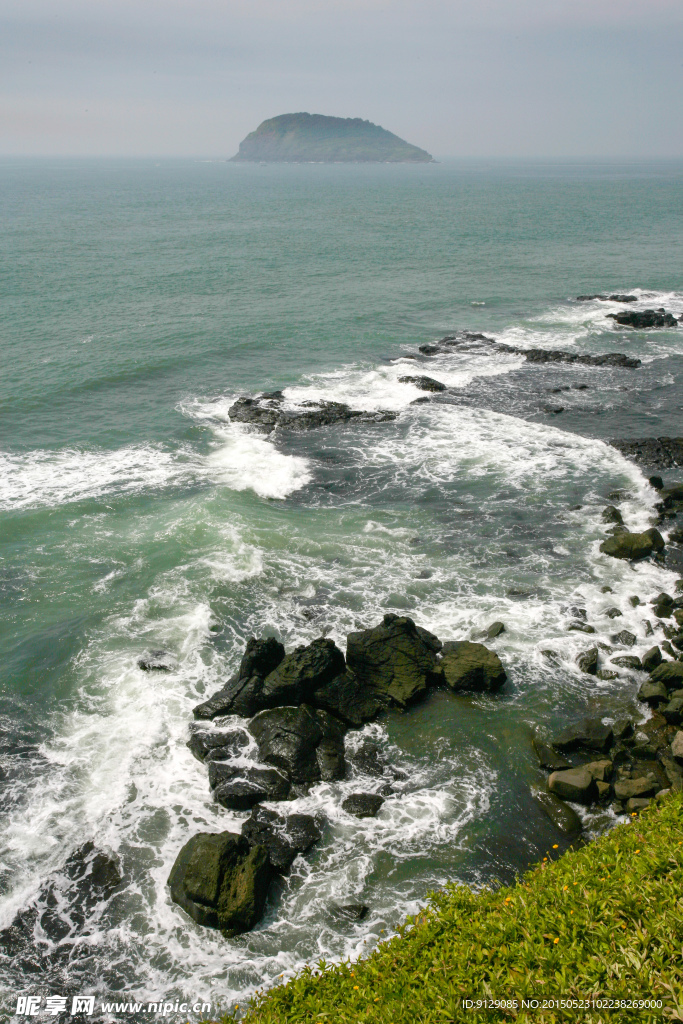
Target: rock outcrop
(305,744)
(633,545)
(469,666)
(394,659)
(283,837)
(644,319)
(266,412)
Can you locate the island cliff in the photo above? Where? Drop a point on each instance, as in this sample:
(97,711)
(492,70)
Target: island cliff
(316,138)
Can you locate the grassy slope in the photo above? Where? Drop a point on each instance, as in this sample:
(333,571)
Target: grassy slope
(605,921)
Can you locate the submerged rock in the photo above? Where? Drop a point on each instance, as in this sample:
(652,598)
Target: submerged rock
(394,659)
(423,383)
(221,882)
(562,816)
(362,805)
(469,666)
(351,911)
(156,661)
(547,757)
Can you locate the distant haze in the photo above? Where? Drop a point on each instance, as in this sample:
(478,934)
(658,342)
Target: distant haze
(508,78)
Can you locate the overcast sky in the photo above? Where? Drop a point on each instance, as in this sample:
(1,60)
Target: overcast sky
(520,78)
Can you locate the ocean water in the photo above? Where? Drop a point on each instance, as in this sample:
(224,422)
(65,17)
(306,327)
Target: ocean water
(139,300)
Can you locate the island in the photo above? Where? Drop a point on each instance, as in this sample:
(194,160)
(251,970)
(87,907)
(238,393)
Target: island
(316,138)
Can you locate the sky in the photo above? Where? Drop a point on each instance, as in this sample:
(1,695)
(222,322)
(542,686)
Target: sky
(460,78)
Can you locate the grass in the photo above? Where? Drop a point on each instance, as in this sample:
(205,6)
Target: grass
(604,922)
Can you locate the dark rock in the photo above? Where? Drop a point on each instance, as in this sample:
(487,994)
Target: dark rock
(352,911)
(423,383)
(606,674)
(240,789)
(243,693)
(653,452)
(653,693)
(622,729)
(348,699)
(392,659)
(156,661)
(644,319)
(626,789)
(362,805)
(589,733)
(220,882)
(203,742)
(468,666)
(261,657)
(634,601)
(553,410)
(306,744)
(562,816)
(589,298)
(302,672)
(663,606)
(625,638)
(651,659)
(623,298)
(601,771)
(613,613)
(369,759)
(656,482)
(677,747)
(283,838)
(670,673)
(588,661)
(611,514)
(491,632)
(633,545)
(673,711)
(629,661)
(581,627)
(547,757)
(575,784)
(266,413)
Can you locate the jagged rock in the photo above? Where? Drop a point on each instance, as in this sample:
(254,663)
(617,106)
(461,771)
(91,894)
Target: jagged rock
(220,744)
(613,613)
(633,545)
(241,788)
(611,514)
(156,661)
(468,666)
(562,816)
(651,659)
(575,784)
(423,383)
(601,771)
(589,733)
(362,805)
(301,673)
(673,711)
(588,661)
(547,757)
(624,637)
(283,838)
(653,693)
(393,659)
(347,698)
(643,319)
(625,789)
(267,412)
(220,882)
(306,744)
(243,693)
(629,661)
(670,673)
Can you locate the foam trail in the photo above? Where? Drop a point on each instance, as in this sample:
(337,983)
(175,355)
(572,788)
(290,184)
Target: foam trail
(248,461)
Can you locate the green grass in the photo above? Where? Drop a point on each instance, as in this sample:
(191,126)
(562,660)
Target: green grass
(601,922)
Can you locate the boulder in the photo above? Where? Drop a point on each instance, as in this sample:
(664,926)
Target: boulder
(393,659)
(643,319)
(673,711)
(348,699)
(423,383)
(268,411)
(302,672)
(653,693)
(562,816)
(601,771)
(677,747)
(588,661)
(218,744)
(589,733)
(624,789)
(611,514)
(670,673)
(351,911)
(613,613)
(241,788)
(362,805)
(604,789)
(633,545)
(575,784)
(469,666)
(625,638)
(547,757)
(581,627)
(663,606)
(220,882)
(622,729)
(243,693)
(651,659)
(156,661)
(636,804)
(283,837)
(606,674)
(306,744)
(629,661)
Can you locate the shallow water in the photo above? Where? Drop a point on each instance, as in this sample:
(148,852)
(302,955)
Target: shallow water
(140,301)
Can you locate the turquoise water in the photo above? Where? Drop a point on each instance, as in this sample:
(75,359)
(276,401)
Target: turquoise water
(140,299)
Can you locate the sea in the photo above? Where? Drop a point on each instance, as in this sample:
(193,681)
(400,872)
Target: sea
(140,299)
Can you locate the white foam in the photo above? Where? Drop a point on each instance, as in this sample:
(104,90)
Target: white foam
(247,461)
